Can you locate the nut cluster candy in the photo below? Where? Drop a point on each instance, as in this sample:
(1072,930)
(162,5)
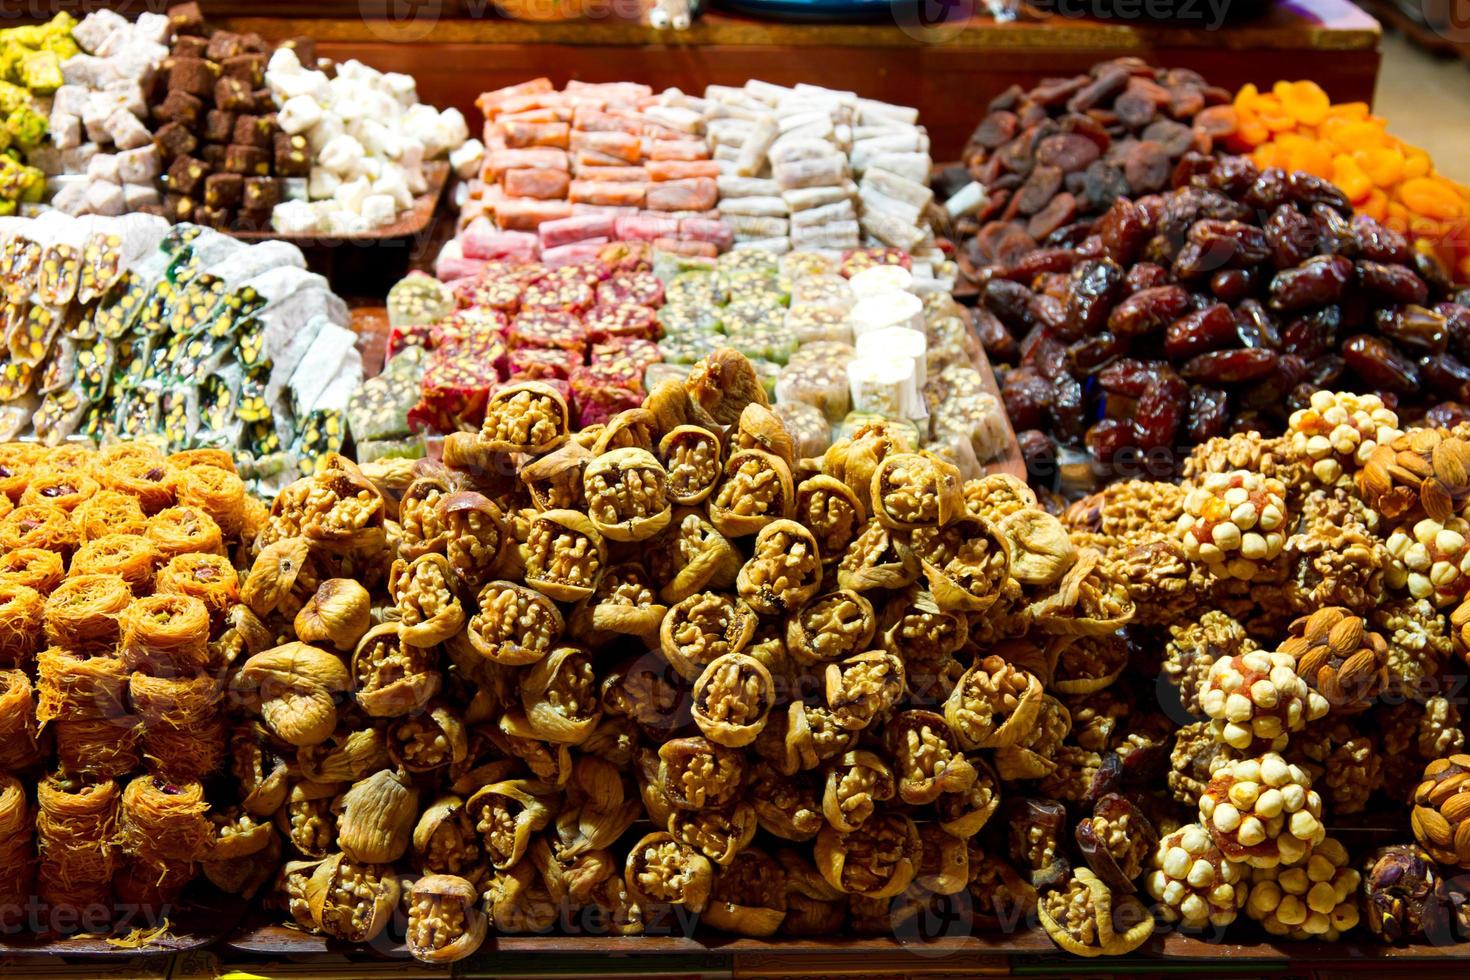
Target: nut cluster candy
(1193,882)
(1340,659)
(1431,560)
(1400,892)
(1425,473)
(1234,523)
(1257,700)
(1338,432)
(1315,899)
(1262,811)
(1441,809)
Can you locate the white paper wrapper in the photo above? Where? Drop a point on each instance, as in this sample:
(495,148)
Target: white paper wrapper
(886,386)
(891,343)
(880,279)
(893,309)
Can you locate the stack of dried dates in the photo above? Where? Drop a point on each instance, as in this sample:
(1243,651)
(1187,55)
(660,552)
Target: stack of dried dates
(1219,306)
(1055,157)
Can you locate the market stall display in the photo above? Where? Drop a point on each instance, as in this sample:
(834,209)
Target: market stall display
(813,169)
(30,70)
(100,157)
(834,342)
(657,579)
(223,153)
(129,328)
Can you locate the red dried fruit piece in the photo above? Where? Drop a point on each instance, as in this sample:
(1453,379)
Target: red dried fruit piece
(1146,275)
(1209,413)
(1231,366)
(995,130)
(1314,334)
(1148,311)
(1421,330)
(1122,231)
(1316,282)
(1233,285)
(1095,286)
(1038,190)
(1396,282)
(1146,167)
(1110,81)
(1067,151)
(1128,377)
(1291,235)
(1447,376)
(1061,211)
(1175,139)
(1111,438)
(1162,410)
(1196,333)
(1380,366)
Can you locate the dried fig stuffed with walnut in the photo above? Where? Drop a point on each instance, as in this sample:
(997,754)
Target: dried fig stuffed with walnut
(994,704)
(732,698)
(755,490)
(627,495)
(784,570)
(444,923)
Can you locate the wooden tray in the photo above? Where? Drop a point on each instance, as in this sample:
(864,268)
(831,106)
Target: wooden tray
(204,917)
(409,224)
(267,939)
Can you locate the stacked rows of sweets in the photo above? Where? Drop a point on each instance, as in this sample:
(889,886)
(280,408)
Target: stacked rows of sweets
(853,690)
(220,145)
(568,172)
(133,328)
(834,341)
(587,328)
(667,617)
(116,595)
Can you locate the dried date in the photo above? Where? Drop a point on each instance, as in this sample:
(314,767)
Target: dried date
(1447,376)
(1199,332)
(1316,282)
(1396,282)
(1209,413)
(1414,327)
(1096,285)
(1149,311)
(1379,366)
(1231,366)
